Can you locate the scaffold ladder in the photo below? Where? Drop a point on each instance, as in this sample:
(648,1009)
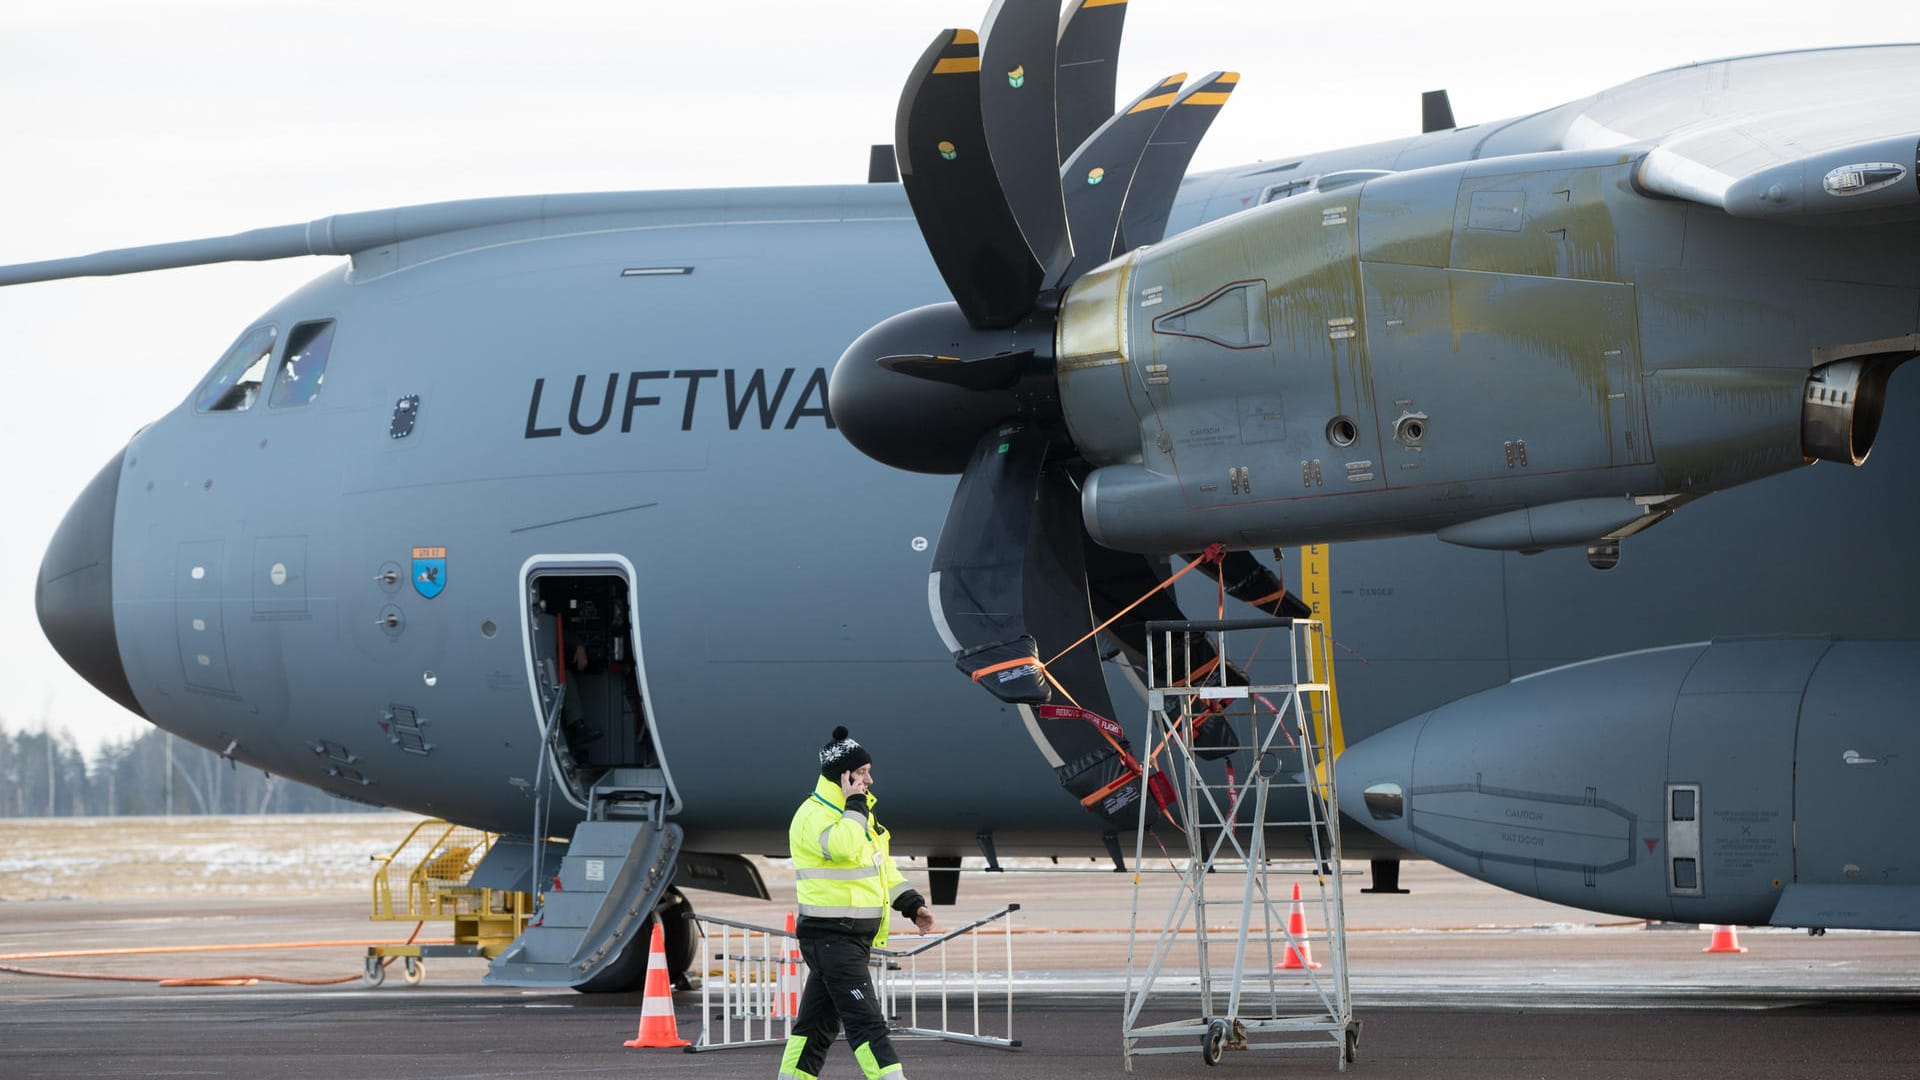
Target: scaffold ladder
(1239,766)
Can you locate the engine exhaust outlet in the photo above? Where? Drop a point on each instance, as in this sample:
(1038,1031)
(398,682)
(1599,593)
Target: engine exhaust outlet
(1840,412)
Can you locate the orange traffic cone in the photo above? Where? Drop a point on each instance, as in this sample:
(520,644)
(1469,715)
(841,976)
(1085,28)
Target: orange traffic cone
(1725,940)
(786,994)
(793,969)
(1302,957)
(656,1009)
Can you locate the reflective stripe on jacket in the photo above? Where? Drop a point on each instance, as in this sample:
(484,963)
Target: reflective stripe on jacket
(842,862)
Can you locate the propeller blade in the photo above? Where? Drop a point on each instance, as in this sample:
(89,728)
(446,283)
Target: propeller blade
(948,172)
(1089,50)
(1058,613)
(1114,580)
(1164,165)
(1008,587)
(1248,580)
(1017,76)
(977,587)
(988,373)
(1118,578)
(1089,753)
(1098,176)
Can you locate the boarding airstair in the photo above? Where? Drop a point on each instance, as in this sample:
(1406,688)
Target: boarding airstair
(618,864)
(1231,767)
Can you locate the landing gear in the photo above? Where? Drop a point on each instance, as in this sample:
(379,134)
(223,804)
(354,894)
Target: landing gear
(674,912)
(628,972)
(943,877)
(1386,878)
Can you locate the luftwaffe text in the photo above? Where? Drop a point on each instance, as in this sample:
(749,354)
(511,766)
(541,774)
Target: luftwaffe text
(772,399)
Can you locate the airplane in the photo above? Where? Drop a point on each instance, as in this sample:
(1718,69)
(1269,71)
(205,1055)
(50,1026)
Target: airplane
(516,519)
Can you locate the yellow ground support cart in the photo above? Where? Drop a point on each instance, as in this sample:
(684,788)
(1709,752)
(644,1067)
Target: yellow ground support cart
(426,879)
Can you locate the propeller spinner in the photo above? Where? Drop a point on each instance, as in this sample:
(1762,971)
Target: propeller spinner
(1013,219)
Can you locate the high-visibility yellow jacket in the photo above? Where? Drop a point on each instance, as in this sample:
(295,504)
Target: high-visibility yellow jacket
(842,862)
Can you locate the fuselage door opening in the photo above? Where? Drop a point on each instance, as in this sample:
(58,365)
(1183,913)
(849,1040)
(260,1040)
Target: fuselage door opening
(589,683)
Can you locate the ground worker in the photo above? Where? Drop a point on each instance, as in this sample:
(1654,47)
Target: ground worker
(845,877)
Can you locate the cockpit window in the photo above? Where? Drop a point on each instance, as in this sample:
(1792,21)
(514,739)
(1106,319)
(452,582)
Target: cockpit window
(236,379)
(305,366)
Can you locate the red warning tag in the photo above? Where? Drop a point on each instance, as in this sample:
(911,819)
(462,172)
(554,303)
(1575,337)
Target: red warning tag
(1068,712)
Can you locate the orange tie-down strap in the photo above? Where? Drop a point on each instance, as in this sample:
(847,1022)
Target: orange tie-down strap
(1132,774)
(1214,554)
(1109,731)
(1273,598)
(1009,665)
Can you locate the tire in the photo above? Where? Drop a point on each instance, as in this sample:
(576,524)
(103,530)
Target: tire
(375,972)
(628,972)
(1213,1042)
(682,941)
(414,970)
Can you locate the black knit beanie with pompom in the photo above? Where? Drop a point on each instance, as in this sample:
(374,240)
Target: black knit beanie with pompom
(842,755)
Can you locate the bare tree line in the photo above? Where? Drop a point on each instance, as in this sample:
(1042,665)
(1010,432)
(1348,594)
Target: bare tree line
(44,774)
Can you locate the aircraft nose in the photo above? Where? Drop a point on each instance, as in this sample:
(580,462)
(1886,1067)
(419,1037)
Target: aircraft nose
(74,596)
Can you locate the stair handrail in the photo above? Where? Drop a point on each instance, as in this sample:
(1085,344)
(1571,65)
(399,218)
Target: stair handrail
(536,879)
(383,874)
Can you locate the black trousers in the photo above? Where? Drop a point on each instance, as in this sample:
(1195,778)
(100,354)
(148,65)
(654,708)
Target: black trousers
(839,991)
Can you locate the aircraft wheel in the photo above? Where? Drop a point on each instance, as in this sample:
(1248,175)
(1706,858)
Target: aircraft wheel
(375,972)
(414,970)
(1214,1042)
(628,972)
(681,939)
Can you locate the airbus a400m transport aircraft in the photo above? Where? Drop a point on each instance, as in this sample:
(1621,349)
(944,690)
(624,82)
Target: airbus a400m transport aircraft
(537,503)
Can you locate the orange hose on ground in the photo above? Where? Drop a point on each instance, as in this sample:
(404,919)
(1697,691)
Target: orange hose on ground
(209,980)
(165,980)
(66,954)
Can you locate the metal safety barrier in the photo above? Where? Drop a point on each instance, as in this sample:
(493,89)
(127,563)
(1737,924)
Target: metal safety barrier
(760,976)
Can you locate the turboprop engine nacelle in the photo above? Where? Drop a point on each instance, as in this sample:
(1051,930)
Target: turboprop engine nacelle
(1512,358)
(1747,782)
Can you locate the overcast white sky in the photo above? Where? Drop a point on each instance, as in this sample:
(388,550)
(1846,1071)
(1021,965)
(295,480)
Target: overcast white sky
(140,121)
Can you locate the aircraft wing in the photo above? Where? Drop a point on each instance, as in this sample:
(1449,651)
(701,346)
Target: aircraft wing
(1831,136)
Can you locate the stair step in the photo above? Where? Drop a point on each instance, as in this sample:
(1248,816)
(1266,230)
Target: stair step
(648,780)
(612,876)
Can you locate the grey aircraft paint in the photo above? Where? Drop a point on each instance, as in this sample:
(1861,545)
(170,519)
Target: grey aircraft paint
(646,375)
